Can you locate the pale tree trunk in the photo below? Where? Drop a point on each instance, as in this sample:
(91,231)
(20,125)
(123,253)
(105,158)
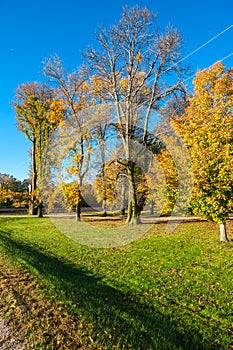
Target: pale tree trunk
(101,142)
(223,233)
(104,206)
(135,210)
(135,220)
(152,207)
(129,213)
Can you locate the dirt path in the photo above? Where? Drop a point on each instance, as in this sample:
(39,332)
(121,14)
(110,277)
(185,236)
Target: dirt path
(144,219)
(7,340)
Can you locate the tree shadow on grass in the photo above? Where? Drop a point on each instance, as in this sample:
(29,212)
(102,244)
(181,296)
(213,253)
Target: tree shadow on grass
(116,320)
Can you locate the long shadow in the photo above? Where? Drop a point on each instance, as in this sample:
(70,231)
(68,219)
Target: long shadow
(106,308)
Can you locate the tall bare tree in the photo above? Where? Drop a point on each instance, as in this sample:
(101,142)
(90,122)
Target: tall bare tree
(137,68)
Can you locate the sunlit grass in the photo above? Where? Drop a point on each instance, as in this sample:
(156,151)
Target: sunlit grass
(161,291)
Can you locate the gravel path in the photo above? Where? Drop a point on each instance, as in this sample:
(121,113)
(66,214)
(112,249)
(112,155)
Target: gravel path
(7,340)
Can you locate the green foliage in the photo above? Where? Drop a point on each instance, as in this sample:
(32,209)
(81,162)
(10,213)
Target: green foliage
(160,292)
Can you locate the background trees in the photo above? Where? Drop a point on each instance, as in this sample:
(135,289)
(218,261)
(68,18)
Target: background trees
(207,128)
(13,192)
(163,184)
(105,184)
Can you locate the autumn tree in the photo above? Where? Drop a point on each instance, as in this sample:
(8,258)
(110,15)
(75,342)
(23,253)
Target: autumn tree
(72,196)
(163,183)
(105,184)
(38,114)
(207,129)
(100,122)
(138,68)
(170,179)
(74,137)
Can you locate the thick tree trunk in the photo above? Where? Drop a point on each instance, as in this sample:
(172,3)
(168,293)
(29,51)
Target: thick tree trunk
(40,210)
(223,233)
(135,219)
(32,208)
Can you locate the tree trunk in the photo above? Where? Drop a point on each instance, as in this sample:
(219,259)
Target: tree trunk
(135,219)
(223,233)
(129,213)
(152,207)
(32,210)
(135,210)
(32,206)
(122,212)
(123,201)
(78,211)
(104,206)
(40,210)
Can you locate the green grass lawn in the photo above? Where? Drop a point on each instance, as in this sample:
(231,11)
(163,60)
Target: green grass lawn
(162,291)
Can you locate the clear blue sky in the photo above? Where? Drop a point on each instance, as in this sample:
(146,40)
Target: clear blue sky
(32,30)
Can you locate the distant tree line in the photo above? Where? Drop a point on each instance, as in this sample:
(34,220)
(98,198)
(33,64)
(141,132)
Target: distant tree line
(13,192)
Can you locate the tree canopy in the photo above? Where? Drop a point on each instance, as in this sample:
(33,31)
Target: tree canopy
(207,129)
(38,113)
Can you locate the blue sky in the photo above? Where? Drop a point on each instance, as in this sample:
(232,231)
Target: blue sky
(33,30)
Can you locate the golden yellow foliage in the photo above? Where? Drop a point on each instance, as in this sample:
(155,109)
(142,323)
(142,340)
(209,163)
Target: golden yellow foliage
(72,194)
(207,129)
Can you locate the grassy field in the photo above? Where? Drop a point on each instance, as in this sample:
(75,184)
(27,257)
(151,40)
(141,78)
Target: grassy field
(162,291)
